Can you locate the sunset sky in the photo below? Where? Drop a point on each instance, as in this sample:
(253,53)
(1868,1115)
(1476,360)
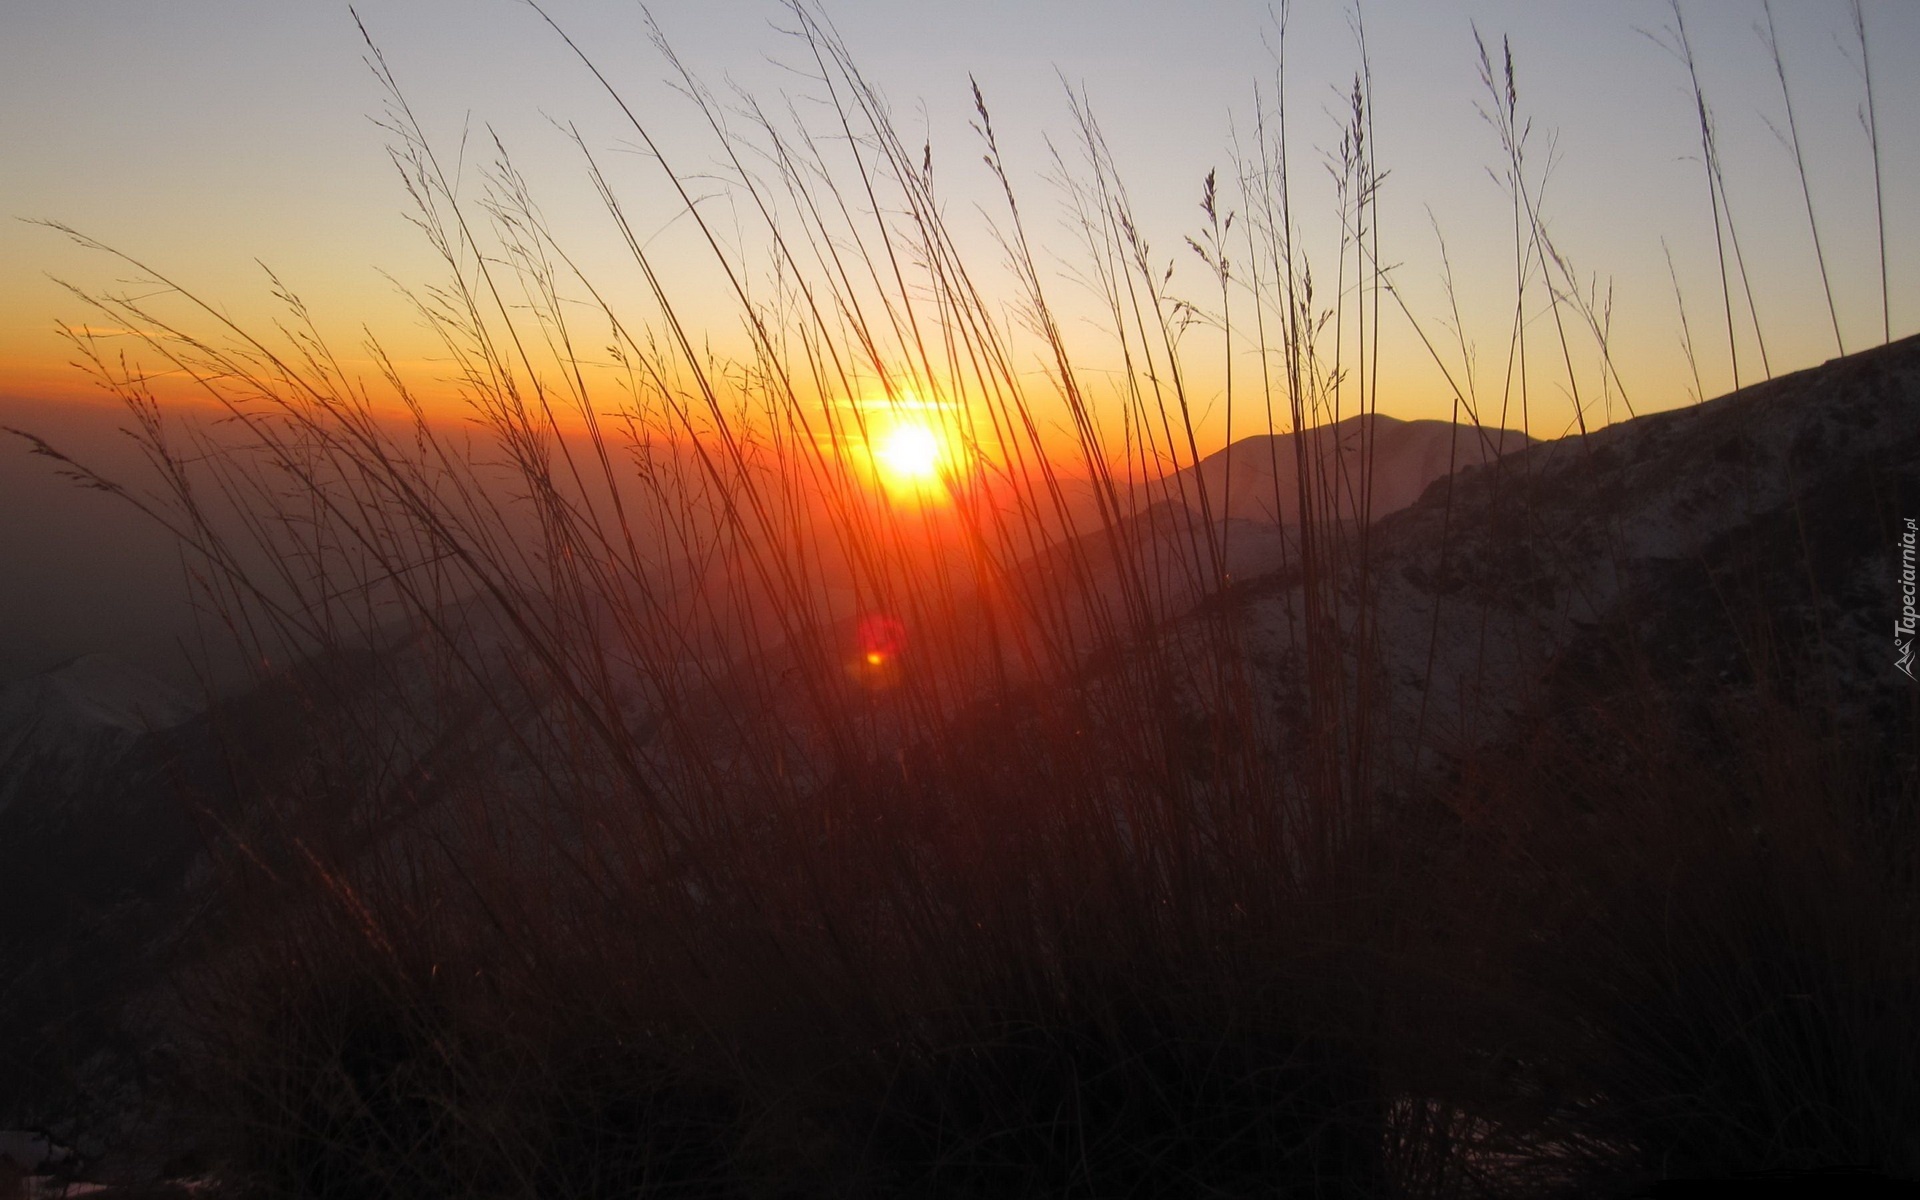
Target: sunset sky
(206,136)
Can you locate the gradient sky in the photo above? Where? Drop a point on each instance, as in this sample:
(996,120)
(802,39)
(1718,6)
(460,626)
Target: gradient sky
(208,136)
(203,135)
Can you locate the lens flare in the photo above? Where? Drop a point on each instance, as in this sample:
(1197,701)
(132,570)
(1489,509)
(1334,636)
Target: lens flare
(879,639)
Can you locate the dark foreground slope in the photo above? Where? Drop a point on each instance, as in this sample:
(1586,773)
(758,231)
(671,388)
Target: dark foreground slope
(1634,894)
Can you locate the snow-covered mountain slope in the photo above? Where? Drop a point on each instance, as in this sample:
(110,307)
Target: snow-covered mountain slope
(1759,531)
(65,727)
(94,841)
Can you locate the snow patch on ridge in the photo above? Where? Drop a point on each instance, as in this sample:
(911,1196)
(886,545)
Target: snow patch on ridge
(58,728)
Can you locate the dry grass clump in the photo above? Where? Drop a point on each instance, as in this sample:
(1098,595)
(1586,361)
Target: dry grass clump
(1702,917)
(663,809)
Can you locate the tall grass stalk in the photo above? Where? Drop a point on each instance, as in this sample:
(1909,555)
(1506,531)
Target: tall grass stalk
(1686,329)
(1869,120)
(1792,139)
(1724,230)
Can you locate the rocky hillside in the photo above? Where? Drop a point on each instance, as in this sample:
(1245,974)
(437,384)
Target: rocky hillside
(1753,537)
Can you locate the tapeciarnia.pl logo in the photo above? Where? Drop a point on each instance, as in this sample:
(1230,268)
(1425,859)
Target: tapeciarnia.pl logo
(1903,626)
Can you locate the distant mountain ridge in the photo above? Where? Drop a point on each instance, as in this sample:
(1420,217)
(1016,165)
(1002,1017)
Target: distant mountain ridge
(1372,465)
(1258,478)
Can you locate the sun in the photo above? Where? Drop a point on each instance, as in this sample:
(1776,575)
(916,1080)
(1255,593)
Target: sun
(910,457)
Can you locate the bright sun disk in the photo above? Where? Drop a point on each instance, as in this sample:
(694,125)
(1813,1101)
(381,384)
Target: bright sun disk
(909,455)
